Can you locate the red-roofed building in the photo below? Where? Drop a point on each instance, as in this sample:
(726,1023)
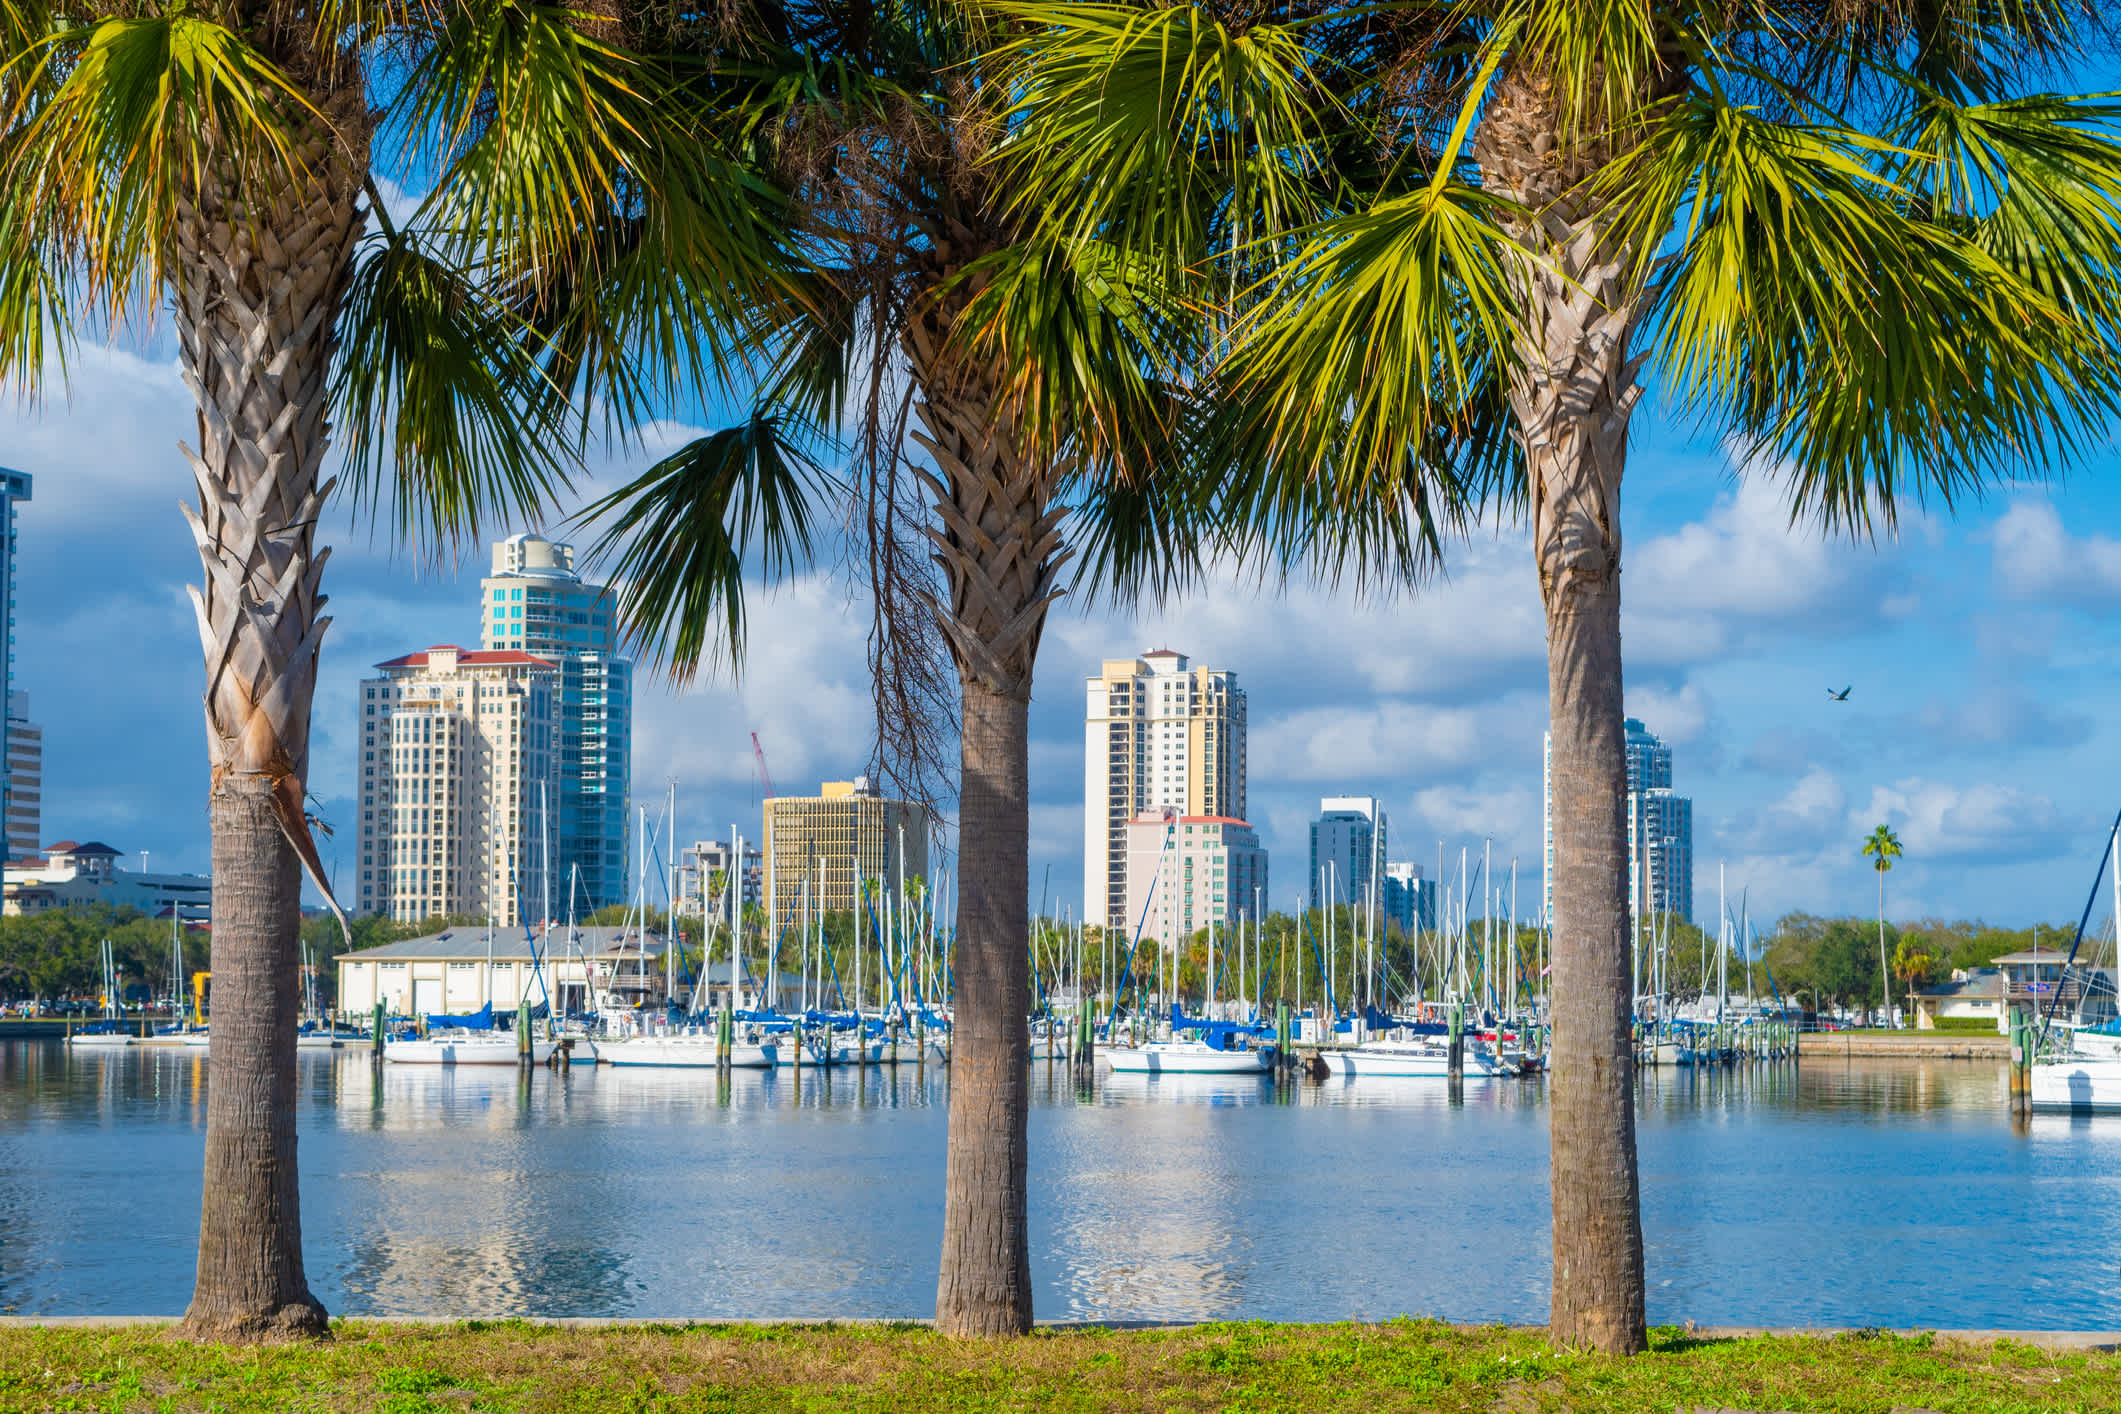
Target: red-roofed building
(75,874)
(1189,872)
(459,762)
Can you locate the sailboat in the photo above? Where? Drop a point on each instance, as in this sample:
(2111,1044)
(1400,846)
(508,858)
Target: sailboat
(110,1031)
(1416,1058)
(2090,1082)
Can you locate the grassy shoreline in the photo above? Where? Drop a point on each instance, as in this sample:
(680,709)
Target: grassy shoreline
(388,1368)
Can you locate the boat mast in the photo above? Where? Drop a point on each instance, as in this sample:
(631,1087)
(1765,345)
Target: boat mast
(670,898)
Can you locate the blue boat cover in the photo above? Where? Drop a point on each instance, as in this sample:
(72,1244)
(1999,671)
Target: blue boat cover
(480,1020)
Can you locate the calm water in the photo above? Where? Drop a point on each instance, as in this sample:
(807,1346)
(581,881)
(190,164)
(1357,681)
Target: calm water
(1873,1193)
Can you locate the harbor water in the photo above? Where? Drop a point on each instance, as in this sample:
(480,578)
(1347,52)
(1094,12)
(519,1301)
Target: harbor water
(1886,1193)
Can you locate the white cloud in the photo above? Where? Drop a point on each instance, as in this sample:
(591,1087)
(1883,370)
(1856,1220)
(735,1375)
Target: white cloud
(1680,717)
(1468,635)
(1694,593)
(1986,820)
(1347,747)
(2035,557)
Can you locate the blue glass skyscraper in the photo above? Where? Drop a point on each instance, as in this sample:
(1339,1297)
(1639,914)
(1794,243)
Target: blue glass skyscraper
(534,601)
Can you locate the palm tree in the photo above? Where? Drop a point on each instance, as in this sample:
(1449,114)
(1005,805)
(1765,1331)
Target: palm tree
(1882,847)
(221,161)
(1024,380)
(1856,239)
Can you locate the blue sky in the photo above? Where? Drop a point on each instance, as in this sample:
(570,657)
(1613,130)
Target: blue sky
(1981,651)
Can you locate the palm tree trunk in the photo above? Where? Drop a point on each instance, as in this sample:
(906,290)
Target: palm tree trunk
(1885,971)
(257,297)
(999,543)
(1571,397)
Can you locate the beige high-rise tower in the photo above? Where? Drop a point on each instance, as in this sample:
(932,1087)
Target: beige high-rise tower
(459,778)
(1158,733)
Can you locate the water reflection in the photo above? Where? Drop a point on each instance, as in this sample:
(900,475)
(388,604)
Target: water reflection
(1835,1192)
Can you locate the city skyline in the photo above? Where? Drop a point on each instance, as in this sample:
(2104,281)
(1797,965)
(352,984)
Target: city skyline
(1979,651)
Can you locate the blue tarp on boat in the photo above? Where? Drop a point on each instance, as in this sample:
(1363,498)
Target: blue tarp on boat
(480,1020)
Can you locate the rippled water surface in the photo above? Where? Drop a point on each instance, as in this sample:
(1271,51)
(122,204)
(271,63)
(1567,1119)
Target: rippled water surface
(1886,1193)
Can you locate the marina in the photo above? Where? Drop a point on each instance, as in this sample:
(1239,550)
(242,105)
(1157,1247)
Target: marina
(1879,1192)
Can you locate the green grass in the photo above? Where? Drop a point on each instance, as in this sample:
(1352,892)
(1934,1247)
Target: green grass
(488,1368)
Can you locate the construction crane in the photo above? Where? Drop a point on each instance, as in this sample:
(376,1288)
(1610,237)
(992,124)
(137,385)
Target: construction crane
(758,754)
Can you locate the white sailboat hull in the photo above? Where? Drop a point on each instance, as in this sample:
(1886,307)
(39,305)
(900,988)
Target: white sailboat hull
(2083,1085)
(1406,1062)
(1184,1058)
(462,1050)
(101,1039)
(686,1053)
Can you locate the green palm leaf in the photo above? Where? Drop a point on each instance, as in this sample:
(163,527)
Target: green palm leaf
(449,420)
(681,534)
(115,121)
(1877,355)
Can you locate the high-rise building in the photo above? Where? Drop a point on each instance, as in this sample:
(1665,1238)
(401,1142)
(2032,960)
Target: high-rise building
(703,859)
(1348,841)
(1660,830)
(24,746)
(1409,899)
(1188,872)
(534,602)
(14,487)
(825,848)
(1159,734)
(459,773)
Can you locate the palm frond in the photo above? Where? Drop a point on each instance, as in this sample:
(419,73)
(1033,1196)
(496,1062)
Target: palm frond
(1387,334)
(1085,338)
(36,312)
(682,533)
(1878,356)
(118,120)
(537,128)
(2039,180)
(448,418)
(1183,136)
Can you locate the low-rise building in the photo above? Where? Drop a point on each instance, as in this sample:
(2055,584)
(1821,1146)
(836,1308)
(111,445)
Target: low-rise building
(2036,979)
(459,970)
(73,874)
(1969,995)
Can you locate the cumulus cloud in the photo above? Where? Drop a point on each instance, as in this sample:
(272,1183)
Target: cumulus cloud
(1346,746)
(1996,715)
(1986,820)
(1679,717)
(1808,813)
(1694,593)
(1474,632)
(2035,557)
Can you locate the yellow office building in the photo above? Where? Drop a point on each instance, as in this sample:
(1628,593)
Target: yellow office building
(823,846)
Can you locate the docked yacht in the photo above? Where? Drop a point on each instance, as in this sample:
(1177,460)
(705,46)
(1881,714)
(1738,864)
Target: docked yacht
(2077,1083)
(1187,1058)
(462,1048)
(1418,1059)
(103,1033)
(687,1050)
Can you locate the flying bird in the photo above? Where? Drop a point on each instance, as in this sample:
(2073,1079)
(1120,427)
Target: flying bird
(1843,695)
